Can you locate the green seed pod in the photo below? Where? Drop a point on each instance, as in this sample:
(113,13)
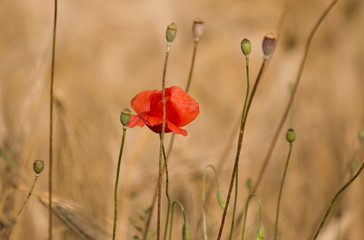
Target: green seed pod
(260,232)
(361,135)
(290,135)
(221,199)
(171,32)
(246,47)
(186,232)
(38,166)
(197,28)
(269,43)
(125,116)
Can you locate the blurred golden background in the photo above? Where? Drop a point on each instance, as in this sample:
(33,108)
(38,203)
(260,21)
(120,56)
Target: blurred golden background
(108,51)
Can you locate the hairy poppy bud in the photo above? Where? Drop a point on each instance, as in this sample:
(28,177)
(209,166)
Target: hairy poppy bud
(361,135)
(197,28)
(246,47)
(260,232)
(186,232)
(290,135)
(221,199)
(171,32)
(38,166)
(269,43)
(125,116)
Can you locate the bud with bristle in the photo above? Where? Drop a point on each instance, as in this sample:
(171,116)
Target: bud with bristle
(186,232)
(246,47)
(38,166)
(290,135)
(269,43)
(197,28)
(171,32)
(260,232)
(361,135)
(221,199)
(125,116)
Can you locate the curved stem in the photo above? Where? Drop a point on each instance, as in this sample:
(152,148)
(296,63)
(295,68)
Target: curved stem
(204,196)
(167,195)
(246,212)
(24,204)
(296,84)
(237,168)
(280,190)
(240,141)
(183,212)
(117,182)
(335,198)
(50,177)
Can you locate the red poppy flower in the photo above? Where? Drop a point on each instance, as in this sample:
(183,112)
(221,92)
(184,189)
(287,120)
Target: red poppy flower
(181,109)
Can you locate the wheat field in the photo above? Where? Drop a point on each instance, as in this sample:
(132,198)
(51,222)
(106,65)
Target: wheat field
(108,51)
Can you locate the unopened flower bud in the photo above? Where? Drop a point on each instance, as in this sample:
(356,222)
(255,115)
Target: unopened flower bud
(246,47)
(171,32)
(38,166)
(186,232)
(221,199)
(260,232)
(361,135)
(290,135)
(197,28)
(269,43)
(125,116)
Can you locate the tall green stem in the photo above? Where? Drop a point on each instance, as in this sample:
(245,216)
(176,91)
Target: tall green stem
(167,194)
(117,182)
(280,191)
(243,119)
(334,200)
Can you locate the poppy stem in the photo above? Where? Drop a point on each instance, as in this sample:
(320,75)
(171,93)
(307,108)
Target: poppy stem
(167,194)
(240,141)
(183,213)
(162,139)
(50,177)
(246,212)
(281,190)
(243,119)
(117,182)
(296,84)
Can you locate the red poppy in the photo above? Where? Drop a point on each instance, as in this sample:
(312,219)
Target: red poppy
(181,109)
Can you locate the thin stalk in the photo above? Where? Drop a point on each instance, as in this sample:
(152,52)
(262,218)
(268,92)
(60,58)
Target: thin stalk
(167,194)
(50,227)
(335,198)
(246,212)
(237,169)
(204,196)
(296,85)
(240,141)
(280,191)
(24,204)
(117,182)
(184,216)
(192,65)
(161,141)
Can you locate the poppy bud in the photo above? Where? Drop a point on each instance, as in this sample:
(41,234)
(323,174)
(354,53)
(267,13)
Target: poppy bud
(260,232)
(221,199)
(197,28)
(361,135)
(171,32)
(186,232)
(246,47)
(269,42)
(290,135)
(125,116)
(38,166)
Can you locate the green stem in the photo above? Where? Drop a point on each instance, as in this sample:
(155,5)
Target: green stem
(24,204)
(117,182)
(204,197)
(183,212)
(335,198)
(50,177)
(167,195)
(246,212)
(192,65)
(243,119)
(280,191)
